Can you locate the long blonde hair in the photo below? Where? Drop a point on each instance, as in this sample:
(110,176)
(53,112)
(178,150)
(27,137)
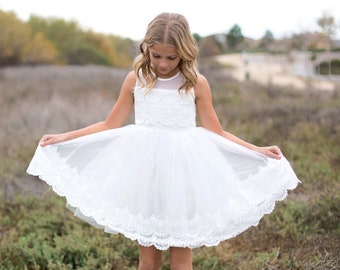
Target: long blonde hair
(171,29)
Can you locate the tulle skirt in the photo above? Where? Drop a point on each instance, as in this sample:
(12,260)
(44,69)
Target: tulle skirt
(183,187)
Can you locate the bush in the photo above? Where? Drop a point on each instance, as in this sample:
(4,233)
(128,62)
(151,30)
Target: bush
(330,68)
(37,232)
(57,240)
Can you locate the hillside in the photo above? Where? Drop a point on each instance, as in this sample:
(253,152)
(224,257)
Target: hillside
(38,233)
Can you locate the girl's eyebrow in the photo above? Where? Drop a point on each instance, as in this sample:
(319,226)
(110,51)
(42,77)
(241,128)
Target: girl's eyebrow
(172,55)
(155,52)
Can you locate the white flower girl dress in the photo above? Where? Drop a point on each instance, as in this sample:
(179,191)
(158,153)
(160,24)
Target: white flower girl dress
(163,181)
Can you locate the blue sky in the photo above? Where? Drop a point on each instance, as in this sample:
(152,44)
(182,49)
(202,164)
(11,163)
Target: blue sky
(129,18)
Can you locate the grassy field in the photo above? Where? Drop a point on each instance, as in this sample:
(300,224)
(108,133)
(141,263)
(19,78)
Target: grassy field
(37,232)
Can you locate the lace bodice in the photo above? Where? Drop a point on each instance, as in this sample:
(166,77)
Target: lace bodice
(164,105)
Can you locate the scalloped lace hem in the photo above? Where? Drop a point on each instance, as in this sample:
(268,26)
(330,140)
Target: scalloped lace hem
(193,233)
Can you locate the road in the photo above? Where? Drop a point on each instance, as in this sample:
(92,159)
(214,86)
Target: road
(295,70)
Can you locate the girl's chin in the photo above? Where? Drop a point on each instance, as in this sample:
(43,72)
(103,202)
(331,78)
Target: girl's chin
(165,73)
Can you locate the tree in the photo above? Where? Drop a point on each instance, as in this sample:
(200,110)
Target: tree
(328,27)
(208,46)
(197,37)
(39,50)
(56,41)
(327,24)
(124,51)
(14,34)
(266,40)
(83,47)
(234,36)
(66,36)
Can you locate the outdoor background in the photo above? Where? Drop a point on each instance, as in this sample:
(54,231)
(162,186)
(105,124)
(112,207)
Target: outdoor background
(56,76)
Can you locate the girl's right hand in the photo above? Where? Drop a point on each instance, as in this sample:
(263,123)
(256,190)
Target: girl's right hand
(51,139)
(270,151)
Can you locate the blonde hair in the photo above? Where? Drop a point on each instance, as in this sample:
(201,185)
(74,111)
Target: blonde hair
(170,29)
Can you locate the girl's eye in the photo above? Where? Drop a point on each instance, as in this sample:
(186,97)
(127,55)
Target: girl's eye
(157,56)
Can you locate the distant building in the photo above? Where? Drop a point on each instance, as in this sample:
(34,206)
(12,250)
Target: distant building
(336,43)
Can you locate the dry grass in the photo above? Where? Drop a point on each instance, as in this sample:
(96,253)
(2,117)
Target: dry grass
(302,233)
(48,99)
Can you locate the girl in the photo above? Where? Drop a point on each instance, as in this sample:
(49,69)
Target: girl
(163,181)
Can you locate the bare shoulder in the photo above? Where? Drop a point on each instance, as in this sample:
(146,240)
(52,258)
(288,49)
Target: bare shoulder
(131,78)
(201,80)
(129,82)
(202,85)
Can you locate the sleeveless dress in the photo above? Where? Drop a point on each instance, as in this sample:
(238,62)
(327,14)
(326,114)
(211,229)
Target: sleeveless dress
(163,181)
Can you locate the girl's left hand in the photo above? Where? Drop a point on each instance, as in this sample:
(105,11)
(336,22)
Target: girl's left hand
(270,151)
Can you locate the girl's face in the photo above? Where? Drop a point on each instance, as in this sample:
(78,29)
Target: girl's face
(164,60)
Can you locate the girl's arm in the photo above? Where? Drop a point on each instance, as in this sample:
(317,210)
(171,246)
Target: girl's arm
(210,120)
(115,119)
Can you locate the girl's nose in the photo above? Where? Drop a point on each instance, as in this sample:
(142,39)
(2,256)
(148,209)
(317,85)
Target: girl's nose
(163,63)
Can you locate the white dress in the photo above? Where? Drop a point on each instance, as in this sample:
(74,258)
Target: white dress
(163,181)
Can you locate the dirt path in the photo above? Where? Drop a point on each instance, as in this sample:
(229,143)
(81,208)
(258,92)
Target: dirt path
(281,70)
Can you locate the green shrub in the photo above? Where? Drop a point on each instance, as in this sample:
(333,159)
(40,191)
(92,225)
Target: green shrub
(332,67)
(38,232)
(56,239)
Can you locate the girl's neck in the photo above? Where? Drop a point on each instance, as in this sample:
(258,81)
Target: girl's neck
(168,75)
(168,78)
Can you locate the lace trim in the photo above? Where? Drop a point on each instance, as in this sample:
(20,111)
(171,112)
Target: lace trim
(167,108)
(199,231)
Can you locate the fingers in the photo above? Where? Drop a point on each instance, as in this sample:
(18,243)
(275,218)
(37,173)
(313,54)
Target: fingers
(274,155)
(44,141)
(274,152)
(47,139)
(276,149)
(271,151)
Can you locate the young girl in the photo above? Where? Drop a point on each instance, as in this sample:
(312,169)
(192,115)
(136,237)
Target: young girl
(163,181)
